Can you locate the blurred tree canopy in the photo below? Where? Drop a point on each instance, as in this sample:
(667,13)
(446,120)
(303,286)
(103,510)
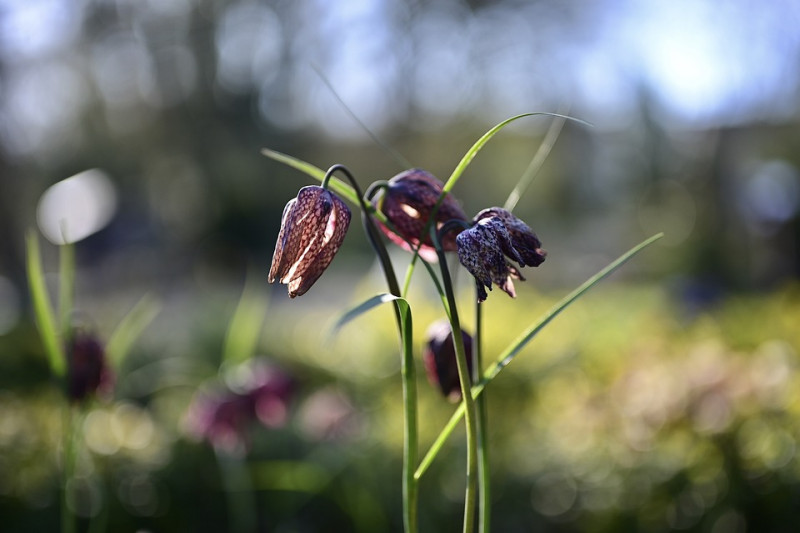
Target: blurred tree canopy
(694,107)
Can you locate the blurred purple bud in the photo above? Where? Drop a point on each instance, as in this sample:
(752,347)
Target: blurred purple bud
(439,356)
(88,372)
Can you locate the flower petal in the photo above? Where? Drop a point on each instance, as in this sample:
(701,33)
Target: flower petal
(276,270)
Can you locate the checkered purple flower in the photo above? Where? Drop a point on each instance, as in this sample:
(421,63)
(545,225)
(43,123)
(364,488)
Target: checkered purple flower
(408,202)
(485,249)
(313,227)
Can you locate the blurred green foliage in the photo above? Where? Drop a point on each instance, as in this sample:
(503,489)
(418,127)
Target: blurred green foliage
(630,412)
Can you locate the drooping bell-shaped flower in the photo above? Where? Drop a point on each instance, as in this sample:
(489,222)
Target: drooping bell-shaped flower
(407,203)
(486,247)
(439,356)
(524,241)
(87,370)
(313,227)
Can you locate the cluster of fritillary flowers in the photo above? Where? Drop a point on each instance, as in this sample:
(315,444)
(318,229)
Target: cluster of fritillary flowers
(493,247)
(315,223)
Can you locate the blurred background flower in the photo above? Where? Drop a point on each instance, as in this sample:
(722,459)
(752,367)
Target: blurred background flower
(254,392)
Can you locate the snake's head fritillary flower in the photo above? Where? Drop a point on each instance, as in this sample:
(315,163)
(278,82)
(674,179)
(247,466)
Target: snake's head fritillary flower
(524,241)
(486,247)
(88,371)
(313,227)
(439,356)
(407,203)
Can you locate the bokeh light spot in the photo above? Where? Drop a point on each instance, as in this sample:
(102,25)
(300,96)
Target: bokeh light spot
(76,207)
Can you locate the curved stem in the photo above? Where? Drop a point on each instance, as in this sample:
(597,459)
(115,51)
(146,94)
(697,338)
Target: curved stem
(408,371)
(370,229)
(464,380)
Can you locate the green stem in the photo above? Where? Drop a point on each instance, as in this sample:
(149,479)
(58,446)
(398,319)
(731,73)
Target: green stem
(238,487)
(408,371)
(464,379)
(43,310)
(536,163)
(410,440)
(69,450)
(484,472)
(66,271)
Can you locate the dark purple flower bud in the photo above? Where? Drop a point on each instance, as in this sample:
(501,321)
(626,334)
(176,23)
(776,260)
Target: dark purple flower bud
(484,250)
(87,371)
(407,204)
(312,230)
(439,356)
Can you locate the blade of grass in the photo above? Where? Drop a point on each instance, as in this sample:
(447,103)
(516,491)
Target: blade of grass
(66,287)
(394,154)
(42,307)
(244,329)
(129,329)
(516,346)
(337,185)
(362,308)
(480,143)
(536,163)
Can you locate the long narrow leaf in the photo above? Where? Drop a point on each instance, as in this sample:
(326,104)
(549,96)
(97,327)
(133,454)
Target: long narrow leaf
(246,323)
(129,329)
(516,346)
(42,307)
(362,308)
(473,151)
(317,173)
(536,163)
(66,286)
